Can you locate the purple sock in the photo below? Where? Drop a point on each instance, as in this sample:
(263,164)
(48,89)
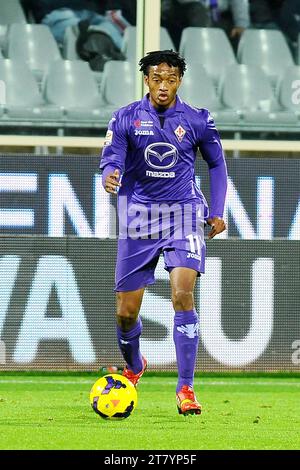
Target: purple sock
(186,339)
(129,344)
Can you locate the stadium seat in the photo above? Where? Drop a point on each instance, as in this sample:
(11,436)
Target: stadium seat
(129,42)
(23,99)
(33,44)
(11,12)
(287,87)
(198,90)
(247,90)
(210,46)
(3,32)
(69,48)
(69,45)
(118,84)
(71,86)
(265,48)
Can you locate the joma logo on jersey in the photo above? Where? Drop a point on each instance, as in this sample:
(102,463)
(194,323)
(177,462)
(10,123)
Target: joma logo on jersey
(143,132)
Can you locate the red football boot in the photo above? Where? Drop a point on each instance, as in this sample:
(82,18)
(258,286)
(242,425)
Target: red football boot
(187,403)
(134,378)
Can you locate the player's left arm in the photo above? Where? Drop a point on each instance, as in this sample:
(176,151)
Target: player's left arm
(114,154)
(212,152)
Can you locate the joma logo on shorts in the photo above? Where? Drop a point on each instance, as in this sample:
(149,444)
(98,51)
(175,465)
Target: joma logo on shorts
(161,174)
(194,255)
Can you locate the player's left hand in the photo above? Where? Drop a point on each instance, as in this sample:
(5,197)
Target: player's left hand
(217,226)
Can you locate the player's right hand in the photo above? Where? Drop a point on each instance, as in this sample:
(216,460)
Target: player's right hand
(217,226)
(112,182)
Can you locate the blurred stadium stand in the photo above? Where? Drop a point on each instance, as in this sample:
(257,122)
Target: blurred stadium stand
(70,86)
(52,90)
(129,44)
(247,90)
(11,12)
(69,45)
(33,44)
(210,46)
(205,95)
(267,49)
(116,92)
(284,86)
(23,98)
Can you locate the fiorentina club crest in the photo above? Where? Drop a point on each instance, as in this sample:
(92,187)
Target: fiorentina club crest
(180,133)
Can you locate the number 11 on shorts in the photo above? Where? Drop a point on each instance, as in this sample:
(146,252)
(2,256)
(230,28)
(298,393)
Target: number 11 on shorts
(195,243)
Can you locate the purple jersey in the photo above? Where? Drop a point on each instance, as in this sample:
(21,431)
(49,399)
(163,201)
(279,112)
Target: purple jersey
(156,152)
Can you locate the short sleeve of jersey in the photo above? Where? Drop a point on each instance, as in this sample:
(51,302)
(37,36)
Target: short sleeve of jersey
(115,143)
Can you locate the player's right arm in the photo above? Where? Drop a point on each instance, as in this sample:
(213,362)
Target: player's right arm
(114,154)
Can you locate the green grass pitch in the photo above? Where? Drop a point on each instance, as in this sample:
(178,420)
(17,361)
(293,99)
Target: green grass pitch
(239,412)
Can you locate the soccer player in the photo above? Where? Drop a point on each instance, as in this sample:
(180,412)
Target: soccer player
(148,160)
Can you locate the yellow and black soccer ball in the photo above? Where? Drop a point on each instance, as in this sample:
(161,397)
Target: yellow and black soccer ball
(113,397)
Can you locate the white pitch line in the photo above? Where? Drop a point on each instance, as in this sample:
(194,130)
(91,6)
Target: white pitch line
(245,382)
(42,381)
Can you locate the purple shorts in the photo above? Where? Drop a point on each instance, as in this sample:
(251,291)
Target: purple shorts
(138,255)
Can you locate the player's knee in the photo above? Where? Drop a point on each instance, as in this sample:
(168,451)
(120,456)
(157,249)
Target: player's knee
(125,323)
(127,313)
(183,300)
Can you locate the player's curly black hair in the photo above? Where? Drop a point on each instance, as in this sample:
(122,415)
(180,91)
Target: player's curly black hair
(169,57)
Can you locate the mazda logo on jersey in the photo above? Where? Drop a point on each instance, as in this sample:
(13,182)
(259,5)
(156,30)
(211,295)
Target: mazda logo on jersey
(161,155)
